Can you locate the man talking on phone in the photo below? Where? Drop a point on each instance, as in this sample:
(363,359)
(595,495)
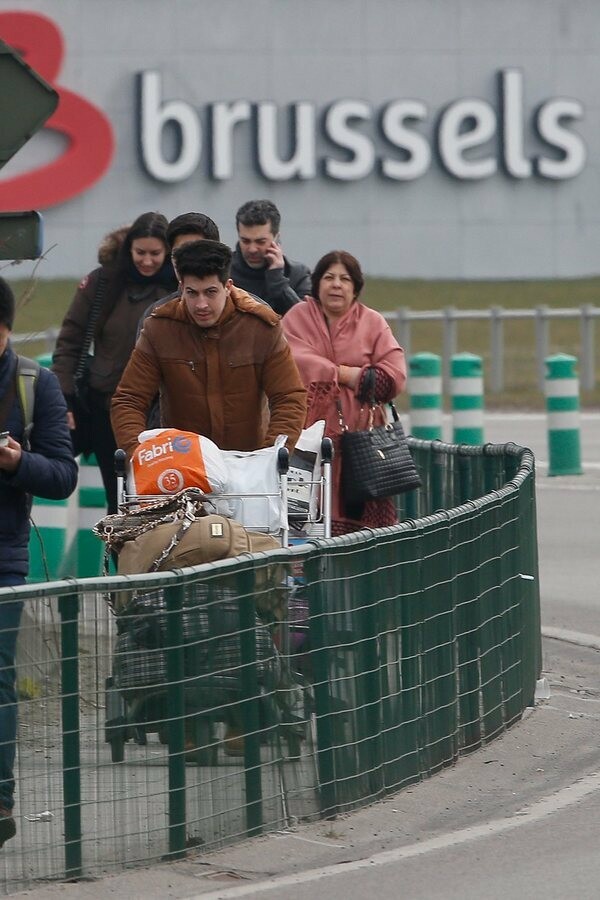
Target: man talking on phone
(259,265)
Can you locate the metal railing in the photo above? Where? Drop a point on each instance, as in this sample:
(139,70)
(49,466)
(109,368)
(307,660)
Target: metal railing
(47,337)
(402,320)
(451,317)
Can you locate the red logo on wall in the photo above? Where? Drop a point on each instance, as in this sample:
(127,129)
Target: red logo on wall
(89,132)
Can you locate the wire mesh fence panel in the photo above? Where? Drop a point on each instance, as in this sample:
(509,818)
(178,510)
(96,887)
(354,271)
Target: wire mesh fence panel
(163,713)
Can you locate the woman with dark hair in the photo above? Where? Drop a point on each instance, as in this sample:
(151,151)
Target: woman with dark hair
(346,353)
(135,270)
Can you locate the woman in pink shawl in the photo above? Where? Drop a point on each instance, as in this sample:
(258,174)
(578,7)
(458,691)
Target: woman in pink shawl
(336,341)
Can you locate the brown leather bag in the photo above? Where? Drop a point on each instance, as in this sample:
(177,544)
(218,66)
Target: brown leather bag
(207,539)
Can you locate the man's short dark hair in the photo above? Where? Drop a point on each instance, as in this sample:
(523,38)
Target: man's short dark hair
(7,304)
(192,223)
(258,212)
(203,258)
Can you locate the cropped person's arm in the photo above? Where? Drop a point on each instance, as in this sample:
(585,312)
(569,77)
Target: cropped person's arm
(133,397)
(47,469)
(71,336)
(286,394)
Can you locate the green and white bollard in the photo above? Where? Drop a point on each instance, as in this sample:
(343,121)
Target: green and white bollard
(86,553)
(466,389)
(562,406)
(425,395)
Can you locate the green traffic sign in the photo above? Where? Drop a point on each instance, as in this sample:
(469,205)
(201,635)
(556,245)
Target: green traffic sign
(26,102)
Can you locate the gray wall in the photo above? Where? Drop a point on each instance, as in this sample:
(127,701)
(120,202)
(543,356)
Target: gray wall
(322,51)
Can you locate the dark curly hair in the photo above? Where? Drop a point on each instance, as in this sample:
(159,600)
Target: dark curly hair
(203,258)
(346,259)
(192,223)
(258,212)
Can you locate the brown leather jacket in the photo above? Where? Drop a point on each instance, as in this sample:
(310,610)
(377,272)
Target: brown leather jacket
(235,383)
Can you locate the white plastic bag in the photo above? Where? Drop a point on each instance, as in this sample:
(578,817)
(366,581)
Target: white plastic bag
(255,473)
(304,473)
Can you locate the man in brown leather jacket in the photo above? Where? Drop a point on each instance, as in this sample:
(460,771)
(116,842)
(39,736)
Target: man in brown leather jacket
(219,358)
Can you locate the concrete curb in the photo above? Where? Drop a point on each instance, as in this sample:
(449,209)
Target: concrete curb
(591,641)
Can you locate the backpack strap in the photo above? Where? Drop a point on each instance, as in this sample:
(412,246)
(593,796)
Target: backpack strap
(28,371)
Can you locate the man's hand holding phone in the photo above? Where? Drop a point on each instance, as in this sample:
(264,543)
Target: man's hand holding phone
(274,256)
(10,453)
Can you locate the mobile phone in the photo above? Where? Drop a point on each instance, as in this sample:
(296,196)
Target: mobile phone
(4,438)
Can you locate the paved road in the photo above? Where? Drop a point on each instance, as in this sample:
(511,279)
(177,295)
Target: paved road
(517,819)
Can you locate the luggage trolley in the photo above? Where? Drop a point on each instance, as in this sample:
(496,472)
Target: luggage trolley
(136,692)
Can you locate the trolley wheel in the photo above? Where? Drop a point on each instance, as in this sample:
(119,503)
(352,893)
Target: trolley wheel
(117,748)
(204,754)
(294,745)
(139,735)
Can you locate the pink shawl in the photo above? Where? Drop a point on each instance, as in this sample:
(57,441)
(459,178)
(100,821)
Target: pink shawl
(361,337)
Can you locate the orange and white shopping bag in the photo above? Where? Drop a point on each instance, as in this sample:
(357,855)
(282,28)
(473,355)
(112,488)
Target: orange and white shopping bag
(167,460)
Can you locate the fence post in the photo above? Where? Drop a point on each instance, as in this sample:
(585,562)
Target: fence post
(321,658)
(176,729)
(68,607)
(587,327)
(466,388)
(497,348)
(448,342)
(425,393)
(542,327)
(250,693)
(403,335)
(562,406)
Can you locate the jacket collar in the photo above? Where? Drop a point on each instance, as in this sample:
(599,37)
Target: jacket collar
(238,300)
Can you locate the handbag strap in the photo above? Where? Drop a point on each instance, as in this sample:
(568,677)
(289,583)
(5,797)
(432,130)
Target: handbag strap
(90,328)
(338,405)
(373,404)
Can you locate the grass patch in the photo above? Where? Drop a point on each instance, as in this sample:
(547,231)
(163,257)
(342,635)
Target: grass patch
(45,306)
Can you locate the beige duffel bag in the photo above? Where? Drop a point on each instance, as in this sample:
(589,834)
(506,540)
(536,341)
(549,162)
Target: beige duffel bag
(207,539)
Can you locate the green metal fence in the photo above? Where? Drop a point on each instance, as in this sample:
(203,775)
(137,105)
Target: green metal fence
(344,669)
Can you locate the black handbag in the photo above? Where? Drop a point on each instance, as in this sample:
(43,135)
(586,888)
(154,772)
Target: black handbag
(82,436)
(376,462)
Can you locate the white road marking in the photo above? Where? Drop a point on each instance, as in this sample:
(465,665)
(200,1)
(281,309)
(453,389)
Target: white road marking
(527,816)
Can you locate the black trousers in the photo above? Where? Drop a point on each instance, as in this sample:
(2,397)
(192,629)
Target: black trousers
(104,445)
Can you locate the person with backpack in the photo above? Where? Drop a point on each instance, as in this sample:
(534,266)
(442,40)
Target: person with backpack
(36,459)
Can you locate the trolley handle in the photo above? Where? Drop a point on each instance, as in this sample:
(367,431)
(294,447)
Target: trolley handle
(327,450)
(120,460)
(283,460)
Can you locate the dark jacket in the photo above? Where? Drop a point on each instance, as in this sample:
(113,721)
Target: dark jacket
(236,382)
(115,332)
(280,288)
(46,470)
